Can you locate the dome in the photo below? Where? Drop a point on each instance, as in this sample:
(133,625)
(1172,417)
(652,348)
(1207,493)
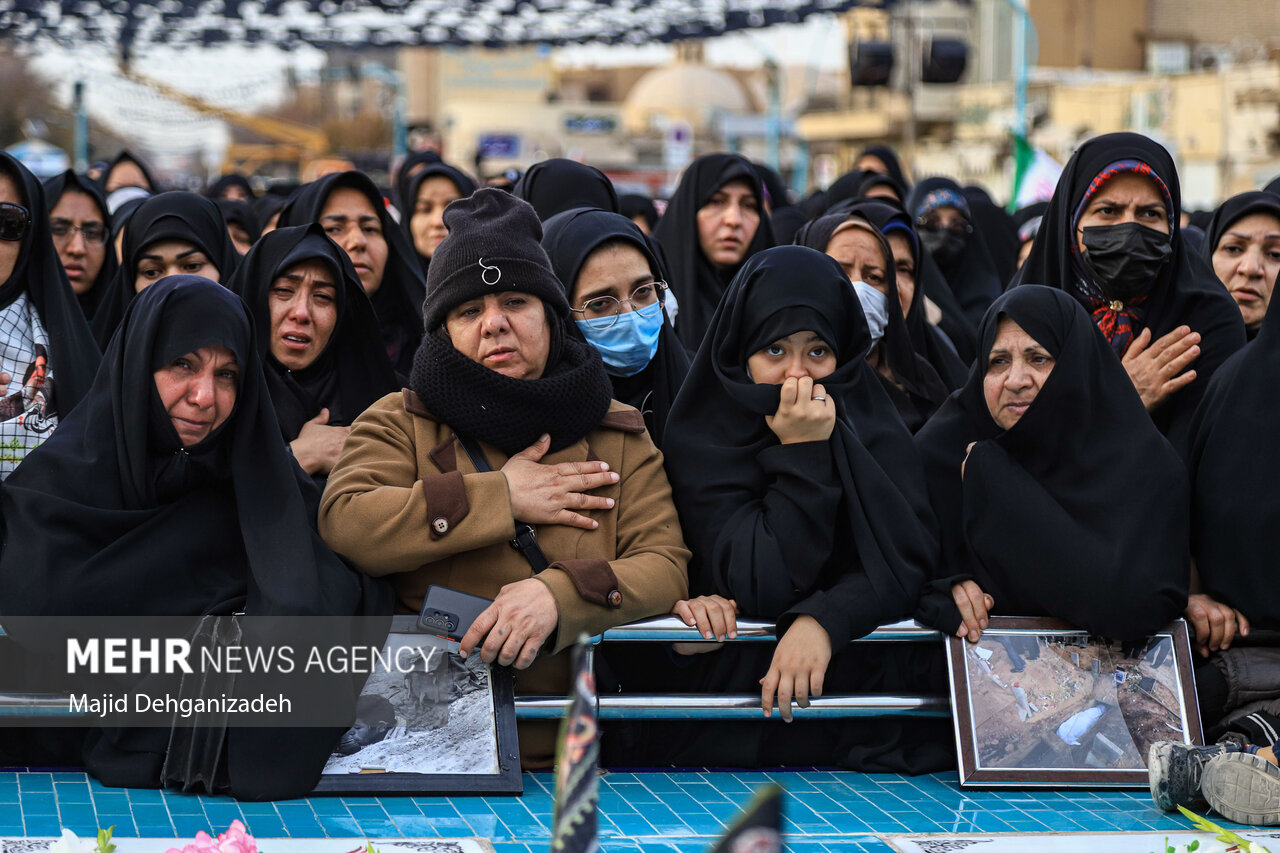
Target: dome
(694,93)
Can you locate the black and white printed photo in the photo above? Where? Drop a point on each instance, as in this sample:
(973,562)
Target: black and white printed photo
(436,718)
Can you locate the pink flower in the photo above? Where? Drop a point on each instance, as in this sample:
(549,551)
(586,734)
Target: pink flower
(234,840)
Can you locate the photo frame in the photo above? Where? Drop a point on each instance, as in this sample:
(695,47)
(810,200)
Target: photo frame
(1037,702)
(438,725)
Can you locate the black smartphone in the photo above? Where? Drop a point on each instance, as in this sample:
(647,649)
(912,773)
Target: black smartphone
(448,612)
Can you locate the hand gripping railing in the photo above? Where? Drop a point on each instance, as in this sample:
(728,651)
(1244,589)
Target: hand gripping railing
(741,706)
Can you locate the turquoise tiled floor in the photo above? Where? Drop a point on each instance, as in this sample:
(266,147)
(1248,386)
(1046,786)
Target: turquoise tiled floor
(640,811)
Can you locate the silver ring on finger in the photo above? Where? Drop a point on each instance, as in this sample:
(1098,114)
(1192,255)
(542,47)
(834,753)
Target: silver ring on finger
(820,399)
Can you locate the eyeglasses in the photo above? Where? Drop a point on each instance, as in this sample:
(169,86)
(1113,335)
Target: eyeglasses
(935,225)
(603,311)
(94,233)
(14,220)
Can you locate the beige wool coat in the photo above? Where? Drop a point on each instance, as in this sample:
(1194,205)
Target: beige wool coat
(405,502)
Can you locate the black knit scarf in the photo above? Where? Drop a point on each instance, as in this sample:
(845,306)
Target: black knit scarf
(567,402)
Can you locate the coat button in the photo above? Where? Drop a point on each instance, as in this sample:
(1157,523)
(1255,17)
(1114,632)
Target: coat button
(441,525)
(615,598)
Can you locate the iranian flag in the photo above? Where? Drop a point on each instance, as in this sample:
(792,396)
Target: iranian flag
(1035,174)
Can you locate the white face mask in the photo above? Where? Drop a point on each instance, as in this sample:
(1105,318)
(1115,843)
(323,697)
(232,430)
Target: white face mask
(876,308)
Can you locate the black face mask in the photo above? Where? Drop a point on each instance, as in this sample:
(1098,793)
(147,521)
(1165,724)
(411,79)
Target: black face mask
(1125,259)
(944,244)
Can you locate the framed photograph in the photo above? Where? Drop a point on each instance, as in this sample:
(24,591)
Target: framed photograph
(1039,703)
(432,723)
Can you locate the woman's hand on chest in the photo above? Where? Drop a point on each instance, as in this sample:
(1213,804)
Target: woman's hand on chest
(555,493)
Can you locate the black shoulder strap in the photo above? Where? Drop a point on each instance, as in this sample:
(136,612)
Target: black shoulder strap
(525,541)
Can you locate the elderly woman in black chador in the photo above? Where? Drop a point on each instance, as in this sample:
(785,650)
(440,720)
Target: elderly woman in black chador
(1048,479)
(1110,238)
(616,289)
(804,502)
(350,209)
(319,341)
(47,355)
(174,233)
(715,221)
(172,494)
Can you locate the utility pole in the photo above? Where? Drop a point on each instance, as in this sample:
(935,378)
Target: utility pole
(82,127)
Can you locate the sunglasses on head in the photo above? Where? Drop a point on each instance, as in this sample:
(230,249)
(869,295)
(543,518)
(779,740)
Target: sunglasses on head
(14,220)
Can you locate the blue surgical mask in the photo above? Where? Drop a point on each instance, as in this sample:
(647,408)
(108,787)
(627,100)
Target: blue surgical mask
(629,344)
(876,308)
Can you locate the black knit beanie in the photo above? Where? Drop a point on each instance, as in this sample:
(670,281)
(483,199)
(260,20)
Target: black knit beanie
(494,244)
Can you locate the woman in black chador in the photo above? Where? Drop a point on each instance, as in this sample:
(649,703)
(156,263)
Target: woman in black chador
(945,224)
(556,185)
(864,254)
(1055,494)
(320,346)
(804,503)
(168,492)
(603,258)
(1234,464)
(350,208)
(81,228)
(715,221)
(1110,238)
(174,233)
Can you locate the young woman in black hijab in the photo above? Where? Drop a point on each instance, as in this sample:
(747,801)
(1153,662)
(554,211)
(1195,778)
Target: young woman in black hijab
(169,234)
(864,254)
(1110,237)
(233,187)
(802,497)
(428,193)
(81,228)
(603,258)
(913,267)
(1243,247)
(45,345)
(883,159)
(128,170)
(408,169)
(1048,479)
(556,185)
(319,341)
(714,222)
(944,223)
(173,495)
(354,215)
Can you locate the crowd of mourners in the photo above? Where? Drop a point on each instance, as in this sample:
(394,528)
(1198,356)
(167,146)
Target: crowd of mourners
(884,401)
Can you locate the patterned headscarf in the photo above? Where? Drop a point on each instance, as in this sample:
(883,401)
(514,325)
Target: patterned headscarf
(1116,320)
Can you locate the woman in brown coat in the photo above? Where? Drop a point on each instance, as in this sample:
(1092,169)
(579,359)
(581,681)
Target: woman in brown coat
(498,382)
